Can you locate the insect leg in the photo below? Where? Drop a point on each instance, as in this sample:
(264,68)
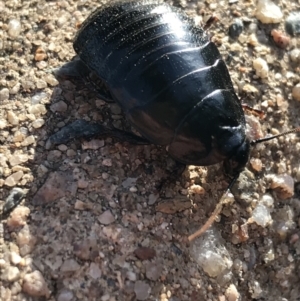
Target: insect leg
(85,129)
(77,70)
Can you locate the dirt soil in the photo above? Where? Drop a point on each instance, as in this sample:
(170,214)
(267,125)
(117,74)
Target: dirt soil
(105,219)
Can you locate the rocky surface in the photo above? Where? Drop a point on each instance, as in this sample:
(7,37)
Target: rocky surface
(97,219)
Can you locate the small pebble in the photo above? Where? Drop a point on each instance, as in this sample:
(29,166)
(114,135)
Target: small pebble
(152,198)
(18,159)
(71,153)
(14,178)
(38,123)
(133,189)
(15,258)
(153,271)
(129,182)
(14,28)
(28,140)
(25,238)
(11,274)
(14,198)
(18,217)
(62,147)
(261,67)
(261,215)
(41,84)
(268,12)
(94,271)
(232,293)
(252,40)
(283,185)
(142,290)
(295,55)
(210,253)
(131,276)
(256,290)
(292,24)
(35,285)
(107,162)
(4,94)
(59,106)
(106,218)
(12,118)
(3,124)
(65,295)
(144,253)
(236,28)
(40,54)
(196,189)
(37,98)
(296,92)
(256,164)
(92,144)
(69,266)
(281,40)
(51,80)
(37,109)
(115,109)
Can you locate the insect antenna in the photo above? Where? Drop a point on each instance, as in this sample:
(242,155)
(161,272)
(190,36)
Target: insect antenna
(295,130)
(223,201)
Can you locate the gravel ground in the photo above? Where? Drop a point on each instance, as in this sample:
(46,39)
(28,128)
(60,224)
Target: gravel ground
(98,220)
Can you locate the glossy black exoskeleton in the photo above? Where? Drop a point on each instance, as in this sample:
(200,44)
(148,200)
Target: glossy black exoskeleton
(169,79)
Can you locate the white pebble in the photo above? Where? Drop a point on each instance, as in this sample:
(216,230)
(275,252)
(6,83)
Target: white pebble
(3,124)
(14,178)
(267,200)
(261,215)
(15,258)
(28,140)
(295,55)
(17,159)
(14,28)
(37,98)
(38,123)
(4,94)
(256,290)
(41,84)
(11,274)
(268,12)
(12,118)
(211,254)
(51,80)
(37,109)
(232,293)
(296,92)
(133,189)
(261,67)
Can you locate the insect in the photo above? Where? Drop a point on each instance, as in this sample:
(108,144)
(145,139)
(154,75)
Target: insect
(168,78)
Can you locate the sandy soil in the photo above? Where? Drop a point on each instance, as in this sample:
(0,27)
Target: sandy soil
(98,220)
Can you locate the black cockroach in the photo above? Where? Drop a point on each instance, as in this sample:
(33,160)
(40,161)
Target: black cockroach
(170,81)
